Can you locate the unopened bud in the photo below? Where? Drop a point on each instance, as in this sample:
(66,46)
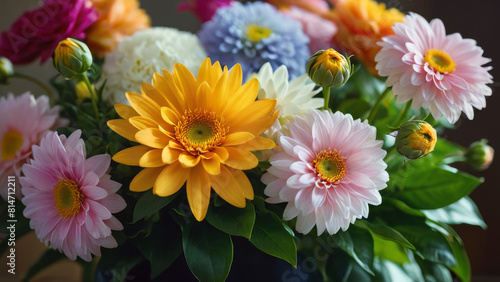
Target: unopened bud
(415,139)
(480,155)
(6,69)
(328,68)
(72,57)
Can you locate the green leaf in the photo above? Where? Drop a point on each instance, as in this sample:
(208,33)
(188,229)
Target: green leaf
(161,248)
(434,272)
(208,251)
(362,251)
(270,236)
(462,211)
(149,203)
(385,232)
(232,220)
(49,257)
(390,251)
(463,268)
(428,187)
(116,263)
(356,107)
(430,244)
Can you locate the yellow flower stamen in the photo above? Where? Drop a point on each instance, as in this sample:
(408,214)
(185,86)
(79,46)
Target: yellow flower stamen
(440,61)
(257,33)
(199,131)
(330,166)
(12,142)
(67,198)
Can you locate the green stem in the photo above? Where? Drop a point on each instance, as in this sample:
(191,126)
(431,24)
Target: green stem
(93,95)
(374,110)
(326,96)
(403,114)
(37,82)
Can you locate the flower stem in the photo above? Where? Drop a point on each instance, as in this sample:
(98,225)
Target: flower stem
(326,96)
(37,82)
(403,114)
(93,95)
(374,110)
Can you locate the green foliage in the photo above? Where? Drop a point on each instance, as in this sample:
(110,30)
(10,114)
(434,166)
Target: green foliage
(232,220)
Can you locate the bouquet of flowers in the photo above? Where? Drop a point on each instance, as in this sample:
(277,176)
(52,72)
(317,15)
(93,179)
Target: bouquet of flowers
(307,130)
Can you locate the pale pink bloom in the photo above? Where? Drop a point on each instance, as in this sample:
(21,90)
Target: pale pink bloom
(70,199)
(328,168)
(443,73)
(23,121)
(319,30)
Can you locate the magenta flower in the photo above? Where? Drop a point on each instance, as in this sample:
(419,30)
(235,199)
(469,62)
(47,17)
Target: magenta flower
(69,199)
(203,9)
(37,32)
(443,73)
(328,168)
(23,122)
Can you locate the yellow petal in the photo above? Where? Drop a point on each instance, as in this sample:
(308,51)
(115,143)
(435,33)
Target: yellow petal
(165,84)
(240,101)
(186,83)
(188,160)
(169,116)
(222,152)
(143,122)
(235,78)
(123,128)
(255,126)
(198,192)
(238,138)
(170,180)
(240,159)
(245,185)
(212,165)
(259,143)
(131,156)
(220,96)
(203,95)
(144,106)
(226,186)
(145,179)
(209,73)
(152,137)
(151,92)
(170,155)
(257,110)
(125,111)
(151,159)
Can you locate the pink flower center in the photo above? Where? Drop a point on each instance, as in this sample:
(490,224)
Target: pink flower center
(12,142)
(440,61)
(329,166)
(67,198)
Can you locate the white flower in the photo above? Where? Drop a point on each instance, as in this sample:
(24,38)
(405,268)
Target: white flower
(293,98)
(139,56)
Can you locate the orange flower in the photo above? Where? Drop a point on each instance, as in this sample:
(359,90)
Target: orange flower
(195,131)
(117,19)
(362,23)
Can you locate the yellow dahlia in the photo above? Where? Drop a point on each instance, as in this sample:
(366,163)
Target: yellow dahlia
(199,131)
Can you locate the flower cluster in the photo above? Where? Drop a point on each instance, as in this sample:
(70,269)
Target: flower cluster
(280,122)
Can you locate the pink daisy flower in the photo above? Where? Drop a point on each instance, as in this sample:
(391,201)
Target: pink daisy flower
(436,71)
(23,121)
(69,199)
(328,168)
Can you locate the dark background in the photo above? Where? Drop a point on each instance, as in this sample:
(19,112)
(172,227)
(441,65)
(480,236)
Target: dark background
(479,20)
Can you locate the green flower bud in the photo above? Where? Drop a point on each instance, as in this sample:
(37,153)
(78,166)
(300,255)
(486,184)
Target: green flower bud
(72,57)
(328,68)
(479,155)
(6,69)
(415,139)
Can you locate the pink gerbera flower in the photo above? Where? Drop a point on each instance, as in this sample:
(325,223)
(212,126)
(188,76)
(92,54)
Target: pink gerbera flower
(328,168)
(23,121)
(443,73)
(69,199)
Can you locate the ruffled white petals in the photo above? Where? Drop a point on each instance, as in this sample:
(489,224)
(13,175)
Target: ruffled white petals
(315,202)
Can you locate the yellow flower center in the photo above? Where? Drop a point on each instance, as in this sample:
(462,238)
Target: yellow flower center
(440,61)
(200,130)
(12,142)
(257,33)
(67,198)
(329,166)
(423,139)
(64,48)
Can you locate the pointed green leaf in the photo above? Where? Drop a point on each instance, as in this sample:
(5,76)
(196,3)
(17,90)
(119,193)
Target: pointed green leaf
(358,243)
(232,220)
(271,237)
(462,211)
(385,232)
(208,251)
(149,203)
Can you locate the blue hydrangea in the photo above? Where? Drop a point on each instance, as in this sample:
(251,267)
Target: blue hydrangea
(252,34)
